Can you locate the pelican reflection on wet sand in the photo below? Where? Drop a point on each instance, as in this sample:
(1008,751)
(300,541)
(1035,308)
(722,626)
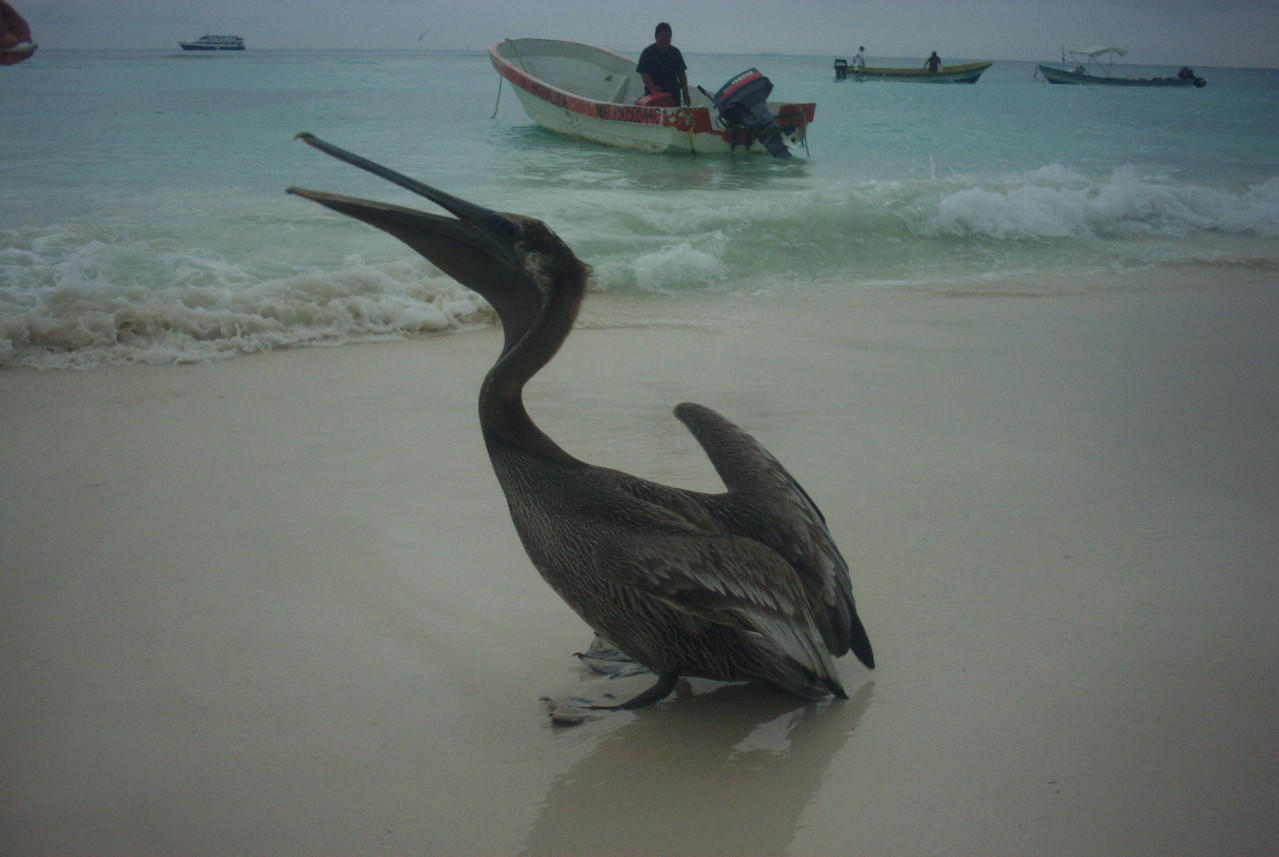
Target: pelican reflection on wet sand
(746,585)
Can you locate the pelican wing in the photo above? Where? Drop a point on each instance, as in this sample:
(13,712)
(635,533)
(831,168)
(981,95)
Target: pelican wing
(726,580)
(765,503)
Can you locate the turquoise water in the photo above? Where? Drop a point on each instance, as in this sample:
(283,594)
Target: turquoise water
(145,217)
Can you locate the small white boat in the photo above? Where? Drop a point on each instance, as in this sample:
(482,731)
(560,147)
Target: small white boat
(591,94)
(214,43)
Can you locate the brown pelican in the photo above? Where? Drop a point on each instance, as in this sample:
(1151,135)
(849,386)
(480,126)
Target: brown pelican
(741,586)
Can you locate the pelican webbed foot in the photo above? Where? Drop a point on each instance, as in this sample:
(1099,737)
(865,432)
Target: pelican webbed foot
(665,684)
(576,709)
(604,658)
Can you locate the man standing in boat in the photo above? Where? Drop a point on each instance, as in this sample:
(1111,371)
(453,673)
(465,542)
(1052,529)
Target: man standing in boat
(662,67)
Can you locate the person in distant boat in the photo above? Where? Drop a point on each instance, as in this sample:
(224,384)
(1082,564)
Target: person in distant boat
(859,61)
(933,63)
(13,32)
(662,67)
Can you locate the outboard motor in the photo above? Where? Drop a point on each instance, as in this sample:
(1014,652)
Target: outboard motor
(1187,73)
(741,106)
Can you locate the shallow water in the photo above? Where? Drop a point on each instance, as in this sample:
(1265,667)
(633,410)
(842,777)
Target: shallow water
(147,219)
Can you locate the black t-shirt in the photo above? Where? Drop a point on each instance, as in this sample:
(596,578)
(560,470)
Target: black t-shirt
(664,68)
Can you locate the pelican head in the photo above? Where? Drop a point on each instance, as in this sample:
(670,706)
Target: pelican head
(516,263)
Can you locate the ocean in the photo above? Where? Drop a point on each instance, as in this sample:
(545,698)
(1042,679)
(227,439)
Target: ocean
(146,221)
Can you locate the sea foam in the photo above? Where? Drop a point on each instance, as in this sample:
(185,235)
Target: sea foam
(67,303)
(1057,203)
(72,296)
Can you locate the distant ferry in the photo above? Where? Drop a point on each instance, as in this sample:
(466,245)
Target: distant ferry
(214,43)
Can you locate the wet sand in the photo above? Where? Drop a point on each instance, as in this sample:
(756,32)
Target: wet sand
(274,606)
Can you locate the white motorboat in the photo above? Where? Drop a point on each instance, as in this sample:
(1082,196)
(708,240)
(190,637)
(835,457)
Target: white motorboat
(214,43)
(595,94)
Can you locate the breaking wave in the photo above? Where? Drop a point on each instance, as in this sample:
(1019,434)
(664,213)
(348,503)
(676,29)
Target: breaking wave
(69,304)
(1058,203)
(72,297)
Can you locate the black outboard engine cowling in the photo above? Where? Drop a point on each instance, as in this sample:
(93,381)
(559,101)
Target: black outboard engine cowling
(741,106)
(1187,73)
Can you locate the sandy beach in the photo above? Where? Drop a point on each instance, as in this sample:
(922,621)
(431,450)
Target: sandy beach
(275,606)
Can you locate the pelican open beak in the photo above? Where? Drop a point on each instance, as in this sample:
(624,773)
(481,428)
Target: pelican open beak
(476,247)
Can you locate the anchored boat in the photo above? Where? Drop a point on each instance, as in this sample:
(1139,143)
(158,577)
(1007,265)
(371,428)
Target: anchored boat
(962,73)
(214,43)
(1093,66)
(595,94)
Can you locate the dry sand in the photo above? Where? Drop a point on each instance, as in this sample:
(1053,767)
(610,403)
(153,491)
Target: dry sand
(274,606)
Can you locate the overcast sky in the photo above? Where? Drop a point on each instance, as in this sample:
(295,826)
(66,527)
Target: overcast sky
(1157,32)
